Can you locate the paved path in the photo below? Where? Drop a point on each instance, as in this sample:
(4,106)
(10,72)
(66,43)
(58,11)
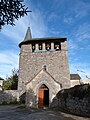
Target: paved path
(14,113)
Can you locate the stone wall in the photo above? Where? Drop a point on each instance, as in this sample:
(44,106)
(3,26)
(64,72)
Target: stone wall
(33,86)
(75,100)
(32,62)
(8,96)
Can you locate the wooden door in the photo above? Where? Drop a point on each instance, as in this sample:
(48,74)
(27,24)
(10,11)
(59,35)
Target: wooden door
(41,98)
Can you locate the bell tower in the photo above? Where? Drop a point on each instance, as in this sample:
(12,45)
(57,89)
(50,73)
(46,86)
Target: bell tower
(37,53)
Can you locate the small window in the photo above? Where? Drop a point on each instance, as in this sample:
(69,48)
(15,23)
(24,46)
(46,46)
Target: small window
(57,46)
(40,46)
(33,47)
(48,46)
(61,85)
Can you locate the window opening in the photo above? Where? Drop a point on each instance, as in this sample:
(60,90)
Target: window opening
(40,47)
(57,46)
(48,46)
(33,47)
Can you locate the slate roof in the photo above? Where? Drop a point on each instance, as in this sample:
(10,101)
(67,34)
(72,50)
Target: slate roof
(28,38)
(75,77)
(28,35)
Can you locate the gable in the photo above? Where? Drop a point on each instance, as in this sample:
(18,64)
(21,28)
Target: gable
(43,77)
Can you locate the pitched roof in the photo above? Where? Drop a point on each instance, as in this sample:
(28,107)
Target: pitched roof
(28,38)
(28,35)
(37,40)
(75,77)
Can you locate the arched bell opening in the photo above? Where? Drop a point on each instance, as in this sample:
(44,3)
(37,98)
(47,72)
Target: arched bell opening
(43,96)
(57,46)
(48,46)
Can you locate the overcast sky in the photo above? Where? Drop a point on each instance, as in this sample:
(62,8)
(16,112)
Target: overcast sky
(50,18)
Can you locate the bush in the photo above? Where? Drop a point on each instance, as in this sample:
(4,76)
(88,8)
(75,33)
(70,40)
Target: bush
(80,91)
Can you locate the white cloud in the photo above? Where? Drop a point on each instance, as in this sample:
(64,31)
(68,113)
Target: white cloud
(16,34)
(38,27)
(78,37)
(53,17)
(8,60)
(82,9)
(83,32)
(37,22)
(57,4)
(68,19)
(72,45)
(79,9)
(80,68)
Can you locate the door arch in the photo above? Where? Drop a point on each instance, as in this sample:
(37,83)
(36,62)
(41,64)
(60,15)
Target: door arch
(43,96)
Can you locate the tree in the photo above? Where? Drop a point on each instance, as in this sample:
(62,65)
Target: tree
(6,85)
(11,82)
(10,10)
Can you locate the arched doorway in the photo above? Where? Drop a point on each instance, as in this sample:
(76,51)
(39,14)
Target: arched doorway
(43,96)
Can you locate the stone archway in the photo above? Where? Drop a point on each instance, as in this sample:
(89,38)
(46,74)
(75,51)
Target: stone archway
(43,96)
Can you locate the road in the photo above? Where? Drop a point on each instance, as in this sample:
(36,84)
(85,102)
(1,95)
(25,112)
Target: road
(15,113)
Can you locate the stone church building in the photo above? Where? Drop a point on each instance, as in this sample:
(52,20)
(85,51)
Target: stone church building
(43,69)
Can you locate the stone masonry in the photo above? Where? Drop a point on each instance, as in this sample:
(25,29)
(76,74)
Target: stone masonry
(56,74)
(75,100)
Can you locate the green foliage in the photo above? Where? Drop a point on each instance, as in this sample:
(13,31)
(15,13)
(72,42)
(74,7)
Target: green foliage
(79,91)
(11,81)
(11,10)
(7,85)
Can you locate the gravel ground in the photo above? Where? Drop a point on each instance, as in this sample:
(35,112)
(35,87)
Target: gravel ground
(11,112)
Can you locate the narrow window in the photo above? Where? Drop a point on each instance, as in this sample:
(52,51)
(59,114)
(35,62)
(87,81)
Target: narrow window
(33,47)
(57,46)
(48,46)
(40,46)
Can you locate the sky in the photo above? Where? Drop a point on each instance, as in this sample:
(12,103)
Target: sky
(50,18)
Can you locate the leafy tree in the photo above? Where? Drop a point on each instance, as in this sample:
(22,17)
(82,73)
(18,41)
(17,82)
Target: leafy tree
(6,85)
(11,81)
(10,10)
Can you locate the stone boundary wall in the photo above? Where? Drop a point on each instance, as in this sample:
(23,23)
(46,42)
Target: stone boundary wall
(8,96)
(75,100)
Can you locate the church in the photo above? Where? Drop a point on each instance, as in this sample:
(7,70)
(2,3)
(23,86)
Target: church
(43,69)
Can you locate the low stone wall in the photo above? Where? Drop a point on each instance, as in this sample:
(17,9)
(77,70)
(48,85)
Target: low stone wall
(75,100)
(8,96)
